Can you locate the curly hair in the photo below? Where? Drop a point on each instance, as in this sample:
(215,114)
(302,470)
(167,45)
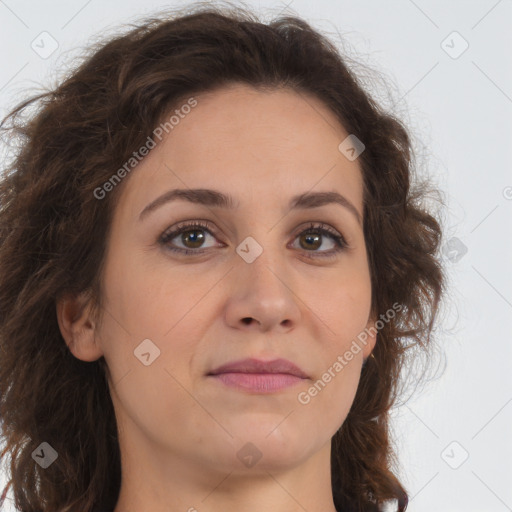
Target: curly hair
(54,232)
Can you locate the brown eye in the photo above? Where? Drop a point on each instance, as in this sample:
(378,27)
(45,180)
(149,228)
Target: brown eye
(192,238)
(312,239)
(195,233)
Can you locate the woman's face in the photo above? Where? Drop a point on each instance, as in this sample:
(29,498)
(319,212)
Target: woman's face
(257,282)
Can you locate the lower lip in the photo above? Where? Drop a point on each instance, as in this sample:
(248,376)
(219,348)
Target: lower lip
(259,382)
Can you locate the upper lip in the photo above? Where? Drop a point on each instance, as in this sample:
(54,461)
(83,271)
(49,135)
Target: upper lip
(260,366)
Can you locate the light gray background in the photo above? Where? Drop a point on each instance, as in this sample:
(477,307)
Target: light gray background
(459,109)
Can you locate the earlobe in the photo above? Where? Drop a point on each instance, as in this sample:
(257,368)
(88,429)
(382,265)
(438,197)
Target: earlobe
(371,338)
(77,327)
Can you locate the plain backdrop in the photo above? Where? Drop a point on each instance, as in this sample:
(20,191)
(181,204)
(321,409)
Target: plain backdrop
(448,75)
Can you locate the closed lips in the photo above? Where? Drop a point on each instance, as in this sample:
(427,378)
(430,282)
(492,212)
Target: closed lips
(281,366)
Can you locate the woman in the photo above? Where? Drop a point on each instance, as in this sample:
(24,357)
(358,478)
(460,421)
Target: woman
(213,268)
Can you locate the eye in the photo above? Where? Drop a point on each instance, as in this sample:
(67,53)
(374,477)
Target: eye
(193,238)
(191,233)
(313,236)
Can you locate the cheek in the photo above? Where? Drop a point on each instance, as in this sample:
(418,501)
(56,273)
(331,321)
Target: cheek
(157,401)
(343,309)
(161,303)
(150,298)
(341,302)
(152,316)
(329,398)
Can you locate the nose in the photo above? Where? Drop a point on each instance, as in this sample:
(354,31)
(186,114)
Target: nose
(263,297)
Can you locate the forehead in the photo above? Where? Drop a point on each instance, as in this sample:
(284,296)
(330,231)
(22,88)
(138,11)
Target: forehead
(250,143)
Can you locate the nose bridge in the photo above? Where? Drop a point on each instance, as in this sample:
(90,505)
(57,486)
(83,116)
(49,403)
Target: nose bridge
(262,288)
(263,250)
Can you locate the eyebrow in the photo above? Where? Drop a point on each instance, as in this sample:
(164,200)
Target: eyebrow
(216,199)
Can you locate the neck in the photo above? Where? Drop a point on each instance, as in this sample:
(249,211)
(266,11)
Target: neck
(166,483)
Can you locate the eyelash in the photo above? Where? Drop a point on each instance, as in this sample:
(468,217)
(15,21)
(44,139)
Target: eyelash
(321,228)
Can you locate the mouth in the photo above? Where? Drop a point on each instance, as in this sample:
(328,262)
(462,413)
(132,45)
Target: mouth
(259,376)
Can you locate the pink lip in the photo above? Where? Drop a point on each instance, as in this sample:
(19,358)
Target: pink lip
(259,376)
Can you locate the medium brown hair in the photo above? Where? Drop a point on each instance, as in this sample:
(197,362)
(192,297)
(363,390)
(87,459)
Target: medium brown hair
(54,233)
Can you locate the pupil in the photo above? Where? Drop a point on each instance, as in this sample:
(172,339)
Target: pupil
(194,237)
(311,238)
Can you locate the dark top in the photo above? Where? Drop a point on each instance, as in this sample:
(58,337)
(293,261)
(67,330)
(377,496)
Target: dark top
(105,510)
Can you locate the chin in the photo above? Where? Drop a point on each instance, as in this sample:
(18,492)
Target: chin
(261,447)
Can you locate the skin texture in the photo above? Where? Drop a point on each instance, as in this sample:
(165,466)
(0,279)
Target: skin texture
(179,430)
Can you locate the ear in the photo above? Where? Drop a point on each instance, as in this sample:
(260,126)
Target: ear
(371,340)
(77,327)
